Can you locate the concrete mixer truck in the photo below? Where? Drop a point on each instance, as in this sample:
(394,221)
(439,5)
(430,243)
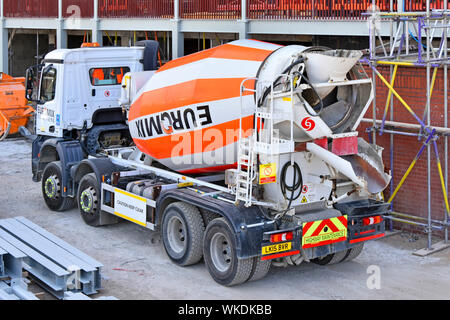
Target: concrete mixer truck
(245,155)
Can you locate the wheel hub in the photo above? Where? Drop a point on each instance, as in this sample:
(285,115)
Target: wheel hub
(88,199)
(221,252)
(176,234)
(52,187)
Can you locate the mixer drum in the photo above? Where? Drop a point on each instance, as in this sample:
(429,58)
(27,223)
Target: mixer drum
(187,116)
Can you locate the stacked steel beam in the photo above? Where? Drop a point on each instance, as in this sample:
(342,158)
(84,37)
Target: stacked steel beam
(51,262)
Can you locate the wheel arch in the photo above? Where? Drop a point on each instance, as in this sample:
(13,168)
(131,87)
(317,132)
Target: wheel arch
(102,167)
(48,152)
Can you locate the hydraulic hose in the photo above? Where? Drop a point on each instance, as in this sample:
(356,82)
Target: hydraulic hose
(276,82)
(315,92)
(296,185)
(288,69)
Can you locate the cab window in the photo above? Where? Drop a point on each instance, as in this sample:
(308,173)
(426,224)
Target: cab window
(48,85)
(107,76)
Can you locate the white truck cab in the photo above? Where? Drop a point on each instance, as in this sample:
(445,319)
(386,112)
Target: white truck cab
(77,84)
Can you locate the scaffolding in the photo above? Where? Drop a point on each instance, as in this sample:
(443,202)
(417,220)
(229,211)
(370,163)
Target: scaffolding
(412,43)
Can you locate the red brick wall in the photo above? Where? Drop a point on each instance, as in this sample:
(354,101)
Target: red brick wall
(412,197)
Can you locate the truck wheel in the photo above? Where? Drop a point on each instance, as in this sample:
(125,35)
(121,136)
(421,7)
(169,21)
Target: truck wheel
(330,259)
(89,200)
(260,269)
(219,251)
(182,233)
(52,188)
(354,252)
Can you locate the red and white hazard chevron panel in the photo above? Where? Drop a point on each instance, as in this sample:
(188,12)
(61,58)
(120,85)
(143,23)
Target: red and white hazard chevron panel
(187,115)
(324,232)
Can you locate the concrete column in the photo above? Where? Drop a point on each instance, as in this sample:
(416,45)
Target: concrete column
(97,34)
(61,38)
(61,33)
(4,63)
(400,5)
(177,35)
(243,23)
(124,41)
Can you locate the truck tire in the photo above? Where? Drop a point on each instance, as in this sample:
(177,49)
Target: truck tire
(89,201)
(354,252)
(52,188)
(219,251)
(330,259)
(182,233)
(260,269)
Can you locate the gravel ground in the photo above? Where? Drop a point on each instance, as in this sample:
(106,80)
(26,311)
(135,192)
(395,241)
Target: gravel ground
(135,267)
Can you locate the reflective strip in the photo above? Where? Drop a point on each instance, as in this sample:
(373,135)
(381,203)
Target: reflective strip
(367,238)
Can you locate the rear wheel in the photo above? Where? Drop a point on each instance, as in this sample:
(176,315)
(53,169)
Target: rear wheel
(260,269)
(330,259)
(182,233)
(89,200)
(219,251)
(52,188)
(354,252)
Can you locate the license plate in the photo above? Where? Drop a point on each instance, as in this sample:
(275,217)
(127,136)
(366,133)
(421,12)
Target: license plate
(281,247)
(324,232)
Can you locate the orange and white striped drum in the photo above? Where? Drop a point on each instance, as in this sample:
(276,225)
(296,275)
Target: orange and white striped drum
(187,116)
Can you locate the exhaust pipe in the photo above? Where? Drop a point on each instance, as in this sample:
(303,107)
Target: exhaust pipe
(24,132)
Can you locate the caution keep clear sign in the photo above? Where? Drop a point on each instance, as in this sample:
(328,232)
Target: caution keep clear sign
(267,173)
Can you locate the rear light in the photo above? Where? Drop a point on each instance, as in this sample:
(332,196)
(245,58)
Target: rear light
(345,146)
(281,237)
(372,220)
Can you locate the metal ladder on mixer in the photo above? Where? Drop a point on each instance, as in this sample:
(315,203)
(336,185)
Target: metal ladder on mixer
(246,171)
(246,156)
(253,145)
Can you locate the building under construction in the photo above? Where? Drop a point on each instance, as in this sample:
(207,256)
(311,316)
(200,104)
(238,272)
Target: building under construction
(239,134)
(405,42)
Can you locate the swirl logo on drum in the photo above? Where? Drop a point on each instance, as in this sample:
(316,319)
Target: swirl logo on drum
(308,124)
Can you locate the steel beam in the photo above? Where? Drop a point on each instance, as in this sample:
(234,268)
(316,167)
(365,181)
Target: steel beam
(56,265)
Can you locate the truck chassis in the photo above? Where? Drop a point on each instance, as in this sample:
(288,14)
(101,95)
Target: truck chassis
(199,218)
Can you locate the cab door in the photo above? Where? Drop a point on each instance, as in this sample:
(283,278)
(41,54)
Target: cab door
(48,119)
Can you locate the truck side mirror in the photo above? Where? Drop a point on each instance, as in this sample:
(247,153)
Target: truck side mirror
(32,83)
(29,81)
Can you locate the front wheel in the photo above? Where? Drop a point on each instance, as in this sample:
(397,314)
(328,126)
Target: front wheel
(52,189)
(89,200)
(219,251)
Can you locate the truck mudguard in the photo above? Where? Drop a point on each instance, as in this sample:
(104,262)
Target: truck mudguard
(102,167)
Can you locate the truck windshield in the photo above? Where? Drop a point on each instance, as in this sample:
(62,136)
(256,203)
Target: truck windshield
(107,76)
(48,86)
